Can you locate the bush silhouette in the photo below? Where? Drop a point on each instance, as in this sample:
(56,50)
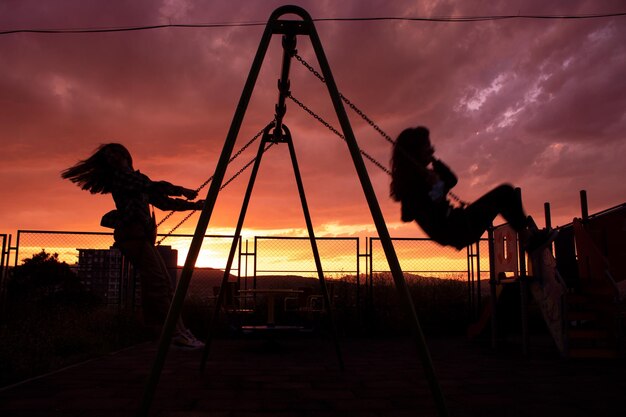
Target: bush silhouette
(43,278)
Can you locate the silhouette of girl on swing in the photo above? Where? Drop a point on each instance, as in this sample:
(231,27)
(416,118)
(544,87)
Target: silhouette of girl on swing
(421,183)
(110,171)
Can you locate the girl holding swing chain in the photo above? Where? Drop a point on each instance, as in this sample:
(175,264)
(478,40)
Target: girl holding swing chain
(109,170)
(422,184)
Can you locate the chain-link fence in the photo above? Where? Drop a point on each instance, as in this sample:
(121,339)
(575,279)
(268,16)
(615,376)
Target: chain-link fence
(420,257)
(5,240)
(339,257)
(435,273)
(293,256)
(353,270)
(103,314)
(64,243)
(100,266)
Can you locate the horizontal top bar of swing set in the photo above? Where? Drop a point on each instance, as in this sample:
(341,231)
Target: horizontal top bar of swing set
(290,27)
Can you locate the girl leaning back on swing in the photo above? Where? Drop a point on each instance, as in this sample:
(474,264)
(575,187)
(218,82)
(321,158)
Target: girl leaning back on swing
(109,170)
(422,184)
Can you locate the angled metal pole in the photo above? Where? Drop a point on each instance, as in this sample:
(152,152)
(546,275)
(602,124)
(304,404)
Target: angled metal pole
(379,221)
(233,248)
(203,222)
(316,254)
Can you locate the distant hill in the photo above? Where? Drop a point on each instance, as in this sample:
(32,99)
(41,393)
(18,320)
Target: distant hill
(204,280)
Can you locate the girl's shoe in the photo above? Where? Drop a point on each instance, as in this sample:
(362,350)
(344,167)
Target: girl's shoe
(186,340)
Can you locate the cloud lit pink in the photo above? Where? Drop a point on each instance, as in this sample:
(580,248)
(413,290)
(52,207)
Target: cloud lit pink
(537,103)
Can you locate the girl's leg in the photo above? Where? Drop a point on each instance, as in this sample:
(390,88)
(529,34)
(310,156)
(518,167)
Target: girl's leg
(156,284)
(502,200)
(157,288)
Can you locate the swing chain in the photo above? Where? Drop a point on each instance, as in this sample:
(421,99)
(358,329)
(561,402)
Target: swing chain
(309,67)
(458,200)
(319,119)
(336,132)
(239,152)
(367,119)
(238,173)
(235,155)
(191,213)
(346,100)
(358,111)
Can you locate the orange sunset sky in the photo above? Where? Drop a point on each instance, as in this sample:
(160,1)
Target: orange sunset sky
(539,103)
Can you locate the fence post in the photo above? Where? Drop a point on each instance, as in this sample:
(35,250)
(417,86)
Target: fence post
(523,288)
(492,289)
(584,207)
(4,273)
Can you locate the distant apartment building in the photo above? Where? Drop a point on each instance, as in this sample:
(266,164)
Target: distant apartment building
(104,273)
(101,272)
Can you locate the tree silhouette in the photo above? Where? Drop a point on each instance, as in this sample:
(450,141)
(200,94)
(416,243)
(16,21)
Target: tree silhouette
(42,277)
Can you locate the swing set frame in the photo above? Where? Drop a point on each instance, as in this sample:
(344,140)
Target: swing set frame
(277,133)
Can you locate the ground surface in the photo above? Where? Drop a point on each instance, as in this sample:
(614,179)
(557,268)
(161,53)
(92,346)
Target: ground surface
(301,377)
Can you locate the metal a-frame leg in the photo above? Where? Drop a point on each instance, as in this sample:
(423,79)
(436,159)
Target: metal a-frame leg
(286,138)
(379,221)
(316,255)
(233,248)
(306,27)
(203,222)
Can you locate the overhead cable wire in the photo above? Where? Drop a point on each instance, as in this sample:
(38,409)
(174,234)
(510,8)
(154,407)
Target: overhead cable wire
(473,18)
(131,28)
(449,19)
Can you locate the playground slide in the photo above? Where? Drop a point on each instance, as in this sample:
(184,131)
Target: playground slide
(505,255)
(507,303)
(476,328)
(548,289)
(545,284)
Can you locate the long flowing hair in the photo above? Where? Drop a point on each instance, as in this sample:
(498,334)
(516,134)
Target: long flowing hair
(95,173)
(408,160)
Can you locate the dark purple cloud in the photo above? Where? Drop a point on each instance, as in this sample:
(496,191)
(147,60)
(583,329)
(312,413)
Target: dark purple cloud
(538,103)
